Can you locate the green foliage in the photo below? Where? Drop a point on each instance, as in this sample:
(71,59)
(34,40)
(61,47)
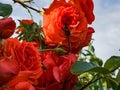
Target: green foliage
(97,60)
(112,63)
(100,70)
(80,67)
(118,88)
(111,83)
(30,32)
(118,76)
(93,75)
(5,10)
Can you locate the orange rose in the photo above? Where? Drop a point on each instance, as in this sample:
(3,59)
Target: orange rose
(28,58)
(87,7)
(29,62)
(7,27)
(23,77)
(65,24)
(19,62)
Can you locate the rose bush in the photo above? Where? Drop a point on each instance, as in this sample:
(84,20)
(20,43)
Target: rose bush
(49,55)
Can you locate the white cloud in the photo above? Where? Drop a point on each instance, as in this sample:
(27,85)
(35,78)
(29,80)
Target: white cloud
(107,27)
(6,1)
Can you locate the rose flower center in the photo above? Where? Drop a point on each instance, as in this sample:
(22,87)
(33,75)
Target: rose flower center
(69,17)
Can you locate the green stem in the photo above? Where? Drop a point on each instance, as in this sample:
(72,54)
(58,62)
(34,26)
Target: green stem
(100,85)
(26,6)
(42,50)
(30,13)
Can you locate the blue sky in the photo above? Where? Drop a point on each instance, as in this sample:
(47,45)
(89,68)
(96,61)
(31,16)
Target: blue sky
(106,24)
(107,27)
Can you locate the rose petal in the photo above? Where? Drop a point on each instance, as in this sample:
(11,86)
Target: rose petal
(24,86)
(56,74)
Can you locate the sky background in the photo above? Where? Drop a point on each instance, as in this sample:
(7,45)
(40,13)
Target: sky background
(106,24)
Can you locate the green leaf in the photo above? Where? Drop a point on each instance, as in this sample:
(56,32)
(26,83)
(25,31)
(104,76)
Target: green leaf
(112,83)
(112,63)
(92,48)
(80,67)
(118,87)
(78,85)
(30,33)
(100,84)
(5,10)
(98,60)
(99,70)
(118,76)
(59,50)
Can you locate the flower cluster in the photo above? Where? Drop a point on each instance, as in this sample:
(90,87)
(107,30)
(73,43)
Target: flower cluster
(40,58)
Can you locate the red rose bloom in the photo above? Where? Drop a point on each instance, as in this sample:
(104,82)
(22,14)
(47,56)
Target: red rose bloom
(28,58)
(29,62)
(1,49)
(56,74)
(87,6)
(21,82)
(8,64)
(19,62)
(7,27)
(24,86)
(2,88)
(65,23)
